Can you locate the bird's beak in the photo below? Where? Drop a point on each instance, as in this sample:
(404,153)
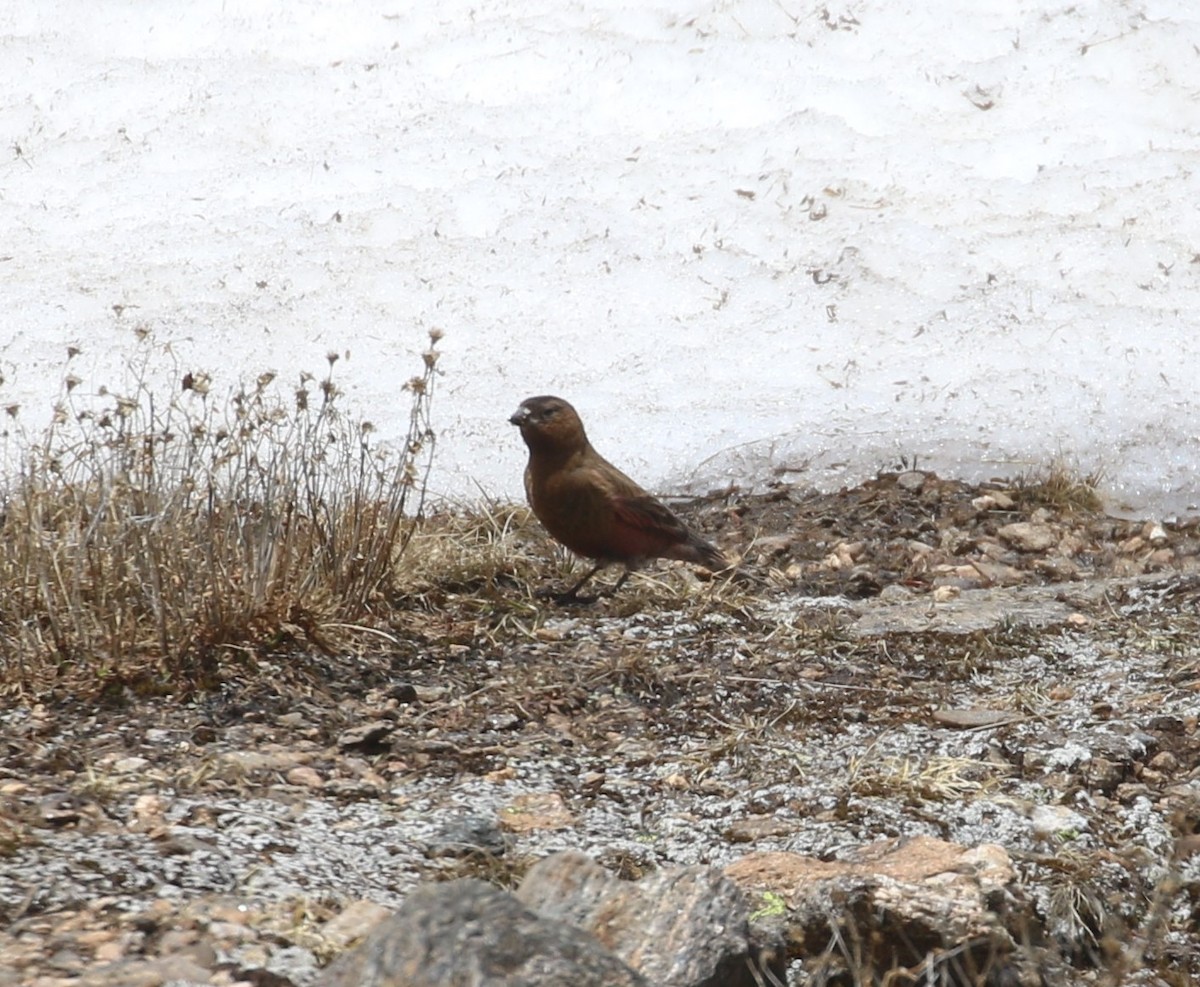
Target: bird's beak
(519,416)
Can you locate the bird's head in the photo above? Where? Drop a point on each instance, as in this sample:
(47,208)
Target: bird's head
(549,424)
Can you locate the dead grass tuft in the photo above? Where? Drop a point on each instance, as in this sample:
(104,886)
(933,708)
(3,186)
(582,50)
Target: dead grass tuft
(473,549)
(1061,489)
(632,670)
(936,779)
(147,538)
(501,870)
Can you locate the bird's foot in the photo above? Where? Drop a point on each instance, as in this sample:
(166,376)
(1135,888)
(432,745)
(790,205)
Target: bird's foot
(736,574)
(564,596)
(566,599)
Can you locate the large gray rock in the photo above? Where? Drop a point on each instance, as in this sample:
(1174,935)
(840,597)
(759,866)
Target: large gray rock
(467,933)
(571,923)
(678,927)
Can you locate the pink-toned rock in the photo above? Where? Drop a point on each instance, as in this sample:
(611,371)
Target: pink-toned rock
(903,900)
(305,777)
(1028,536)
(355,921)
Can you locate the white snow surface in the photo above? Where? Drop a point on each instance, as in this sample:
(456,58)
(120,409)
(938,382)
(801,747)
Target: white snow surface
(739,236)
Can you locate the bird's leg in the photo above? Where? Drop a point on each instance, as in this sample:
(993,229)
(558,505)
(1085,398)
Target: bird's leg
(572,595)
(620,582)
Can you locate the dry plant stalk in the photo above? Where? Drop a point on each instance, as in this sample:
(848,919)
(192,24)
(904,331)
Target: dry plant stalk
(143,538)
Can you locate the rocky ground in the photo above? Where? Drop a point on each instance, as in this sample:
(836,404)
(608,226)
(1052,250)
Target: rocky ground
(1000,667)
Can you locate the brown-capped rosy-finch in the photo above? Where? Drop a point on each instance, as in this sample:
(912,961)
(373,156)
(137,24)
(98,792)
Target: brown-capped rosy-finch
(591,506)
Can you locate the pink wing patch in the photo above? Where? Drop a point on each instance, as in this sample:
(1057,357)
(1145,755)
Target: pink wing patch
(642,527)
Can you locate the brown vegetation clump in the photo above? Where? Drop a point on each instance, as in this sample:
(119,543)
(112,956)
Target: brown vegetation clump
(143,538)
(1060,488)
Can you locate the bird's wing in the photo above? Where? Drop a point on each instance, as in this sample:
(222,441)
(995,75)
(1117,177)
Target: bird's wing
(646,514)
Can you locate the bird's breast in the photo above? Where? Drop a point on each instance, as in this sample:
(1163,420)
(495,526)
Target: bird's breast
(575,513)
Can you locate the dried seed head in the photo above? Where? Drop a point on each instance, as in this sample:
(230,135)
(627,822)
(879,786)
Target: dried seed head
(199,383)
